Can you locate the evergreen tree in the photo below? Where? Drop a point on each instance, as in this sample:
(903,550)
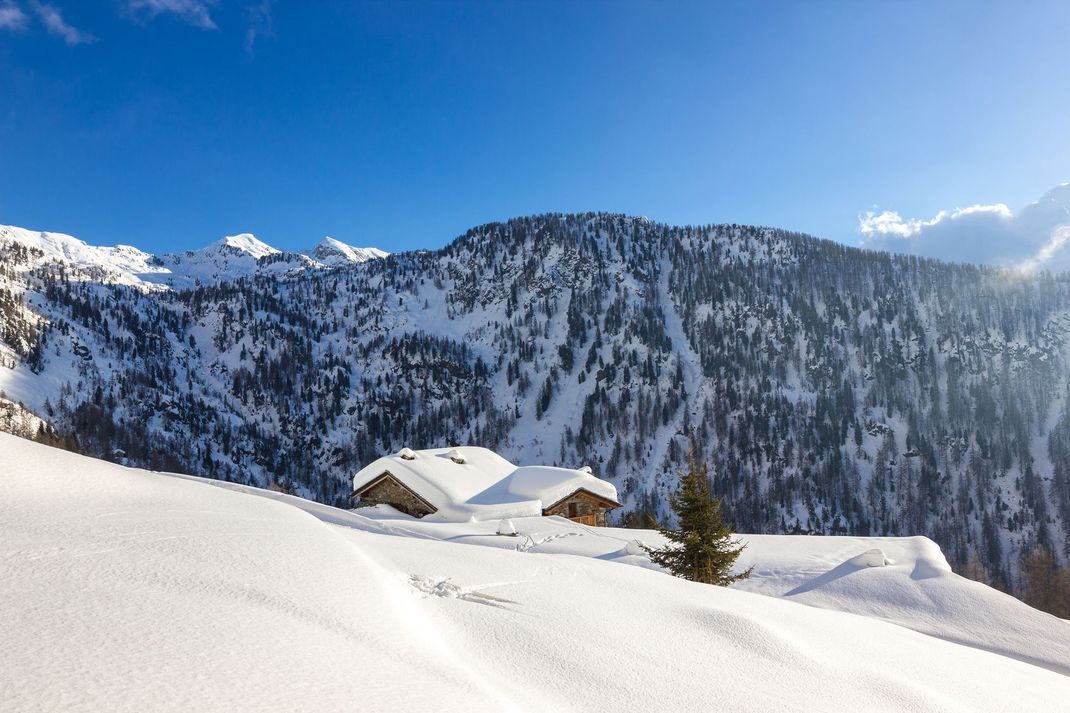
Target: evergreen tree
(702,550)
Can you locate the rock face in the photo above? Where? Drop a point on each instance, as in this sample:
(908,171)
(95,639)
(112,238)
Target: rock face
(830,389)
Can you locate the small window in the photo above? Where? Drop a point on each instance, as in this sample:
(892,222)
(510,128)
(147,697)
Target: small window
(573,509)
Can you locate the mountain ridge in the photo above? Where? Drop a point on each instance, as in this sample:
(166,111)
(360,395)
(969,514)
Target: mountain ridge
(832,389)
(228,258)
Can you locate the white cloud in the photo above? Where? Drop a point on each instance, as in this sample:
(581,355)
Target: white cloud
(1037,237)
(889,223)
(1046,256)
(260,23)
(195,12)
(11,17)
(53,21)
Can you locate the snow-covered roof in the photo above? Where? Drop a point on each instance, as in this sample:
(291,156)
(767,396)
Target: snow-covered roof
(484,486)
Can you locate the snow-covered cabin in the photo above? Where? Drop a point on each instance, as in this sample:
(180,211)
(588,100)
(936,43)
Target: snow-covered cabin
(470,483)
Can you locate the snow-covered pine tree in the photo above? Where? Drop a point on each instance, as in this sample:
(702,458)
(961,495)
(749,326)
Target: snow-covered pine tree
(703,549)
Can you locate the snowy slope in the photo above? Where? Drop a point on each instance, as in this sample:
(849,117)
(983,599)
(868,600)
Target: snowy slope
(127,590)
(916,589)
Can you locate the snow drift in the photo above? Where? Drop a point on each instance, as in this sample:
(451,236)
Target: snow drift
(128,590)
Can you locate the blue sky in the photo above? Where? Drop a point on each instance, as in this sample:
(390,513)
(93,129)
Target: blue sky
(169,123)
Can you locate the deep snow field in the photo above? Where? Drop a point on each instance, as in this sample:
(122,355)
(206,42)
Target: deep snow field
(124,590)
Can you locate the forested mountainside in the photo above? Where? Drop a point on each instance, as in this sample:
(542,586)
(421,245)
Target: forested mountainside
(831,389)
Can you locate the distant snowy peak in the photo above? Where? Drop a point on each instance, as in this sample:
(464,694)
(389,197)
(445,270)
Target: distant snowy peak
(330,251)
(228,258)
(237,256)
(242,244)
(118,264)
(1055,204)
(1059,194)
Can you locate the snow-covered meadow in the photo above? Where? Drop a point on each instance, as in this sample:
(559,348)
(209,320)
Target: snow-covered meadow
(127,590)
